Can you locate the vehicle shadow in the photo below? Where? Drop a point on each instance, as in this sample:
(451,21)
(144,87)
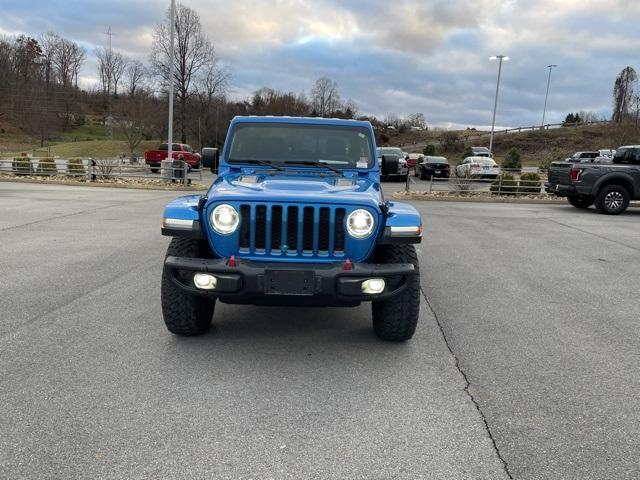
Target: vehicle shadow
(290,326)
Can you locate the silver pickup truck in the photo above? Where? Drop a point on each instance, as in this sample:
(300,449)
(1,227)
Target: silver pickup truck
(609,186)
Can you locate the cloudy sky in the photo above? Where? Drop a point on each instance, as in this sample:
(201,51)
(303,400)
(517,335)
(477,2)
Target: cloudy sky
(397,57)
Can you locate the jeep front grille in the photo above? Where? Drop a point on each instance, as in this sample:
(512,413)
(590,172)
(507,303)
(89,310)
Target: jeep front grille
(291,230)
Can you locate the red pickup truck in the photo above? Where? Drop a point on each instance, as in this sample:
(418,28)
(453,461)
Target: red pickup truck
(180,151)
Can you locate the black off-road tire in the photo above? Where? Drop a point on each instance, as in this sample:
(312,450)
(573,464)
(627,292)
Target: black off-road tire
(395,320)
(612,199)
(154,169)
(185,314)
(580,202)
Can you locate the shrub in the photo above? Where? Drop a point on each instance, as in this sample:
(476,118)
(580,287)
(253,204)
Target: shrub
(22,166)
(555,155)
(505,184)
(530,184)
(429,150)
(467,153)
(46,166)
(75,167)
(512,161)
(464,183)
(104,167)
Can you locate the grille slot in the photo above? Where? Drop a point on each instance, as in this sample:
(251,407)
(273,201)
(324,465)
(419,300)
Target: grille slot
(245,225)
(276,228)
(323,230)
(339,230)
(294,231)
(307,229)
(261,227)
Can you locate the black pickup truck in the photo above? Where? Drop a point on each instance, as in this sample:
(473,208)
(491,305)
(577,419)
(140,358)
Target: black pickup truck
(609,186)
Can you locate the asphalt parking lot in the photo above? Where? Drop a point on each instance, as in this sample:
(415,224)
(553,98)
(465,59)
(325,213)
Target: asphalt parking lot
(525,363)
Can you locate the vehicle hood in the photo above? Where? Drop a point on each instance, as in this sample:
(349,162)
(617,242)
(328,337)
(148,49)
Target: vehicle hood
(297,188)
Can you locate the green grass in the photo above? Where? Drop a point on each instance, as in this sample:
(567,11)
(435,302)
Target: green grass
(85,149)
(88,132)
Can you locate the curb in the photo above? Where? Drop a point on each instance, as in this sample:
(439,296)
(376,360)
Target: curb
(198,188)
(478,199)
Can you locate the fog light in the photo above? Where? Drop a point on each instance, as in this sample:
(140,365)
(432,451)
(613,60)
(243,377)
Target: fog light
(373,286)
(204,281)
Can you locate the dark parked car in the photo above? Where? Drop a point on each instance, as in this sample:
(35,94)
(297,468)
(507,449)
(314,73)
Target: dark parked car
(437,167)
(609,186)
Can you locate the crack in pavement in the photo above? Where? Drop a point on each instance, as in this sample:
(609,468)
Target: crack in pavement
(467,385)
(601,237)
(73,214)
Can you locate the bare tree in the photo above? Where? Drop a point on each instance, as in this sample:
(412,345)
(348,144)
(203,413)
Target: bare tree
(67,58)
(49,43)
(324,97)
(118,67)
(416,120)
(194,55)
(136,119)
(134,76)
(623,92)
(104,56)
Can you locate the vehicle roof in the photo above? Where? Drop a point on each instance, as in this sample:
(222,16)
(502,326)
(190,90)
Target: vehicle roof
(301,120)
(480,158)
(484,149)
(435,157)
(629,146)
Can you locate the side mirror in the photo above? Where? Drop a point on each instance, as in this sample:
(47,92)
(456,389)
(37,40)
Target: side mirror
(210,159)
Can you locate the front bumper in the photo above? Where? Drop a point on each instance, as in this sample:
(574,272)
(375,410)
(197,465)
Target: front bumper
(251,282)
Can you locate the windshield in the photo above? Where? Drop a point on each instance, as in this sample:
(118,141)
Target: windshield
(338,146)
(165,146)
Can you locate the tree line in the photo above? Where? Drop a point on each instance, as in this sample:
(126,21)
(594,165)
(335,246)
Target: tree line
(40,95)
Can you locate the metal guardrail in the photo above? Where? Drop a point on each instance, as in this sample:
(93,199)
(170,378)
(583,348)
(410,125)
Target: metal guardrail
(475,184)
(470,134)
(93,169)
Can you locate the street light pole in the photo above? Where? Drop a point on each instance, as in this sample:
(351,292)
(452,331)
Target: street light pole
(495,103)
(544,110)
(171,68)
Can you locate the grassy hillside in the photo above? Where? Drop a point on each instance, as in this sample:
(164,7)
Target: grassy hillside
(89,148)
(533,146)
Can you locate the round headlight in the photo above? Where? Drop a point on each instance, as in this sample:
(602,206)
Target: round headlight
(225,219)
(360,223)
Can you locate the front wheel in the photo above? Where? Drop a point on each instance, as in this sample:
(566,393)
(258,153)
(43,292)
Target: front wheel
(395,320)
(580,202)
(184,313)
(613,199)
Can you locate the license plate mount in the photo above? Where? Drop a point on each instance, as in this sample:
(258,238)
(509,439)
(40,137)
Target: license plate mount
(288,282)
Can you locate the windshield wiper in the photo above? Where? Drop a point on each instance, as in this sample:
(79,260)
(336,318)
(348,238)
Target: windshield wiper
(309,163)
(256,162)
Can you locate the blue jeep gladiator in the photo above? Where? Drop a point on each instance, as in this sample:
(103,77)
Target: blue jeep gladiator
(296,216)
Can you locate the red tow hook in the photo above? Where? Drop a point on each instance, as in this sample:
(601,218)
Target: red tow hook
(348,265)
(232,261)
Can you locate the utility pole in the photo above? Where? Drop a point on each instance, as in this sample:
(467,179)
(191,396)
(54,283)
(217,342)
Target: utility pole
(171,68)
(495,103)
(544,110)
